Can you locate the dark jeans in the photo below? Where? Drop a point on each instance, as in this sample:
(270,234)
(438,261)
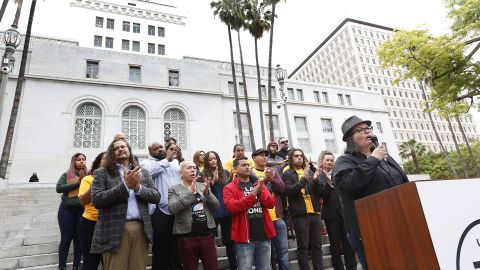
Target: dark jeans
(356,243)
(85,232)
(165,249)
(338,238)
(308,229)
(226,230)
(198,247)
(68,219)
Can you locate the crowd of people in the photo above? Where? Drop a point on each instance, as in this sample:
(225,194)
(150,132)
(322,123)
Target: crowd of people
(117,209)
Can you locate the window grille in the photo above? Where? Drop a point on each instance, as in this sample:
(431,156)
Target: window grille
(88,126)
(133,126)
(175,126)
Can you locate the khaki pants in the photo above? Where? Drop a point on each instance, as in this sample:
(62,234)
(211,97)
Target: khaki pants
(133,252)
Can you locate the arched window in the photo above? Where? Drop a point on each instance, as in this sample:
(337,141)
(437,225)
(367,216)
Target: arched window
(133,126)
(175,126)
(88,126)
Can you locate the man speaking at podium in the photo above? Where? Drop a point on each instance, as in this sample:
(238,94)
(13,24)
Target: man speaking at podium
(364,169)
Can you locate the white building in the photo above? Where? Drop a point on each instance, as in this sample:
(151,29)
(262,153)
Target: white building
(154,27)
(347,57)
(77,98)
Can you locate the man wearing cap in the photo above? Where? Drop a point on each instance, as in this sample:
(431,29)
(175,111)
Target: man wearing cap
(275,185)
(273,159)
(361,171)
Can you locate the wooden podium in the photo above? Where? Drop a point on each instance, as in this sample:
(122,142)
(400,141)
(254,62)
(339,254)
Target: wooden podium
(422,225)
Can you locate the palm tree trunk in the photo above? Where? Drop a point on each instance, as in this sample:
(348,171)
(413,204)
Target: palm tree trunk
(235,91)
(260,99)
(469,149)
(249,116)
(415,161)
(18,94)
(269,89)
(17,13)
(3,8)
(460,157)
(442,148)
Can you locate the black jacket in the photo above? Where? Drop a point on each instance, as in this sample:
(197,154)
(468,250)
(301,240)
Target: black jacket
(331,201)
(356,177)
(293,190)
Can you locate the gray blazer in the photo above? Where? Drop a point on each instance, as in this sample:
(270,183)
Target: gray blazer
(180,200)
(110,197)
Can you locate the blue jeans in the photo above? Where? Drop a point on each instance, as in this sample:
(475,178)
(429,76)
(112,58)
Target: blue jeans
(356,243)
(68,219)
(280,243)
(253,253)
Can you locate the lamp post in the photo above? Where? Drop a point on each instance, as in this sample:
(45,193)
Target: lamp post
(11,38)
(281,73)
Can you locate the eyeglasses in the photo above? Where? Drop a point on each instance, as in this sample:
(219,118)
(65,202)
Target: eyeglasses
(364,130)
(283,142)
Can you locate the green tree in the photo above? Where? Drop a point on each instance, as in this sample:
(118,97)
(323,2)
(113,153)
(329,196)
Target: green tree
(224,9)
(258,22)
(18,90)
(419,55)
(465,15)
(412,149)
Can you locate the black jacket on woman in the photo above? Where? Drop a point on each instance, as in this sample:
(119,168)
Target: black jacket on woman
(356,177)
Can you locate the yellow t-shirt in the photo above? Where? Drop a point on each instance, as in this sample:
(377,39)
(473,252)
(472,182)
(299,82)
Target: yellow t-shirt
(229,165)
(306,197)
(90,212)
(261,175)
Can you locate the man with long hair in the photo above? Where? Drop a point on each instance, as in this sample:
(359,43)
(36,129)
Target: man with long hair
(303,195)
(121,191)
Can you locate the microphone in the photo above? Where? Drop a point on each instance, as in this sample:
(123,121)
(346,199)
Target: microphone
(374,140)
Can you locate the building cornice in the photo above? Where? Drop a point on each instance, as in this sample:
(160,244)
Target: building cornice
(347,20)
(129,11)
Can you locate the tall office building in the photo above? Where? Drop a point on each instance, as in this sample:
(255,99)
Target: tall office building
(347,57)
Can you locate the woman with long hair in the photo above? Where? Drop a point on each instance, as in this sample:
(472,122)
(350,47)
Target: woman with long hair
(218,178)
(70,210)
(90,216)
(193,205)
(199,160)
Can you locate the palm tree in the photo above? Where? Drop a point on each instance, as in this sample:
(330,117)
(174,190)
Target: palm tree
(269,85)
(224,10)
(412,149)
(3,8)
(258,22)
(476,171)
(239,12)
(460,156)
(18,91)
(442,148)
(270,48)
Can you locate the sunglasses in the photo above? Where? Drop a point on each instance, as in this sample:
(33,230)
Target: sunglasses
(284,142)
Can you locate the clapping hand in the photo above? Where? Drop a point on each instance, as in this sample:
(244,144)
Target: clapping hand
(132,178)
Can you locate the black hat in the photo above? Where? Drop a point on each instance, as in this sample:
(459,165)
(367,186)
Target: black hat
(259,151)
(350,123)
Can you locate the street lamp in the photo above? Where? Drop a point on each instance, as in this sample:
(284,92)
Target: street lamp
(281,73)
(11,38)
